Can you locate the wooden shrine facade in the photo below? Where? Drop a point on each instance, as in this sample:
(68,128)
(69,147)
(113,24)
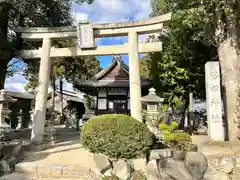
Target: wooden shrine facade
(111,88)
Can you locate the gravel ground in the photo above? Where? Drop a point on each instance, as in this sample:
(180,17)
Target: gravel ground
(67,152)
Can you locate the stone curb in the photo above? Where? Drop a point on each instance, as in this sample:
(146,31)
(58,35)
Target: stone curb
(54,170)
(221,160)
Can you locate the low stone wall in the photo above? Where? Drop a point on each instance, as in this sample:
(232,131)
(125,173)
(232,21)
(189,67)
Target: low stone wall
(223,159)
(226,166)
(163,164)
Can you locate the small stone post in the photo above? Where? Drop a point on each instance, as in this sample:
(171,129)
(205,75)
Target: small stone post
(153,114)
(216,130)
(4,113)
(50,131)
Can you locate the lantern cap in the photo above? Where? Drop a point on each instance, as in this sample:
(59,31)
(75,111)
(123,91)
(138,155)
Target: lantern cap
(4,97)
(152,97)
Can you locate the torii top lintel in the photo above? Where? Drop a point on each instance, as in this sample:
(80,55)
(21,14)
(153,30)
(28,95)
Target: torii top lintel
(148,26)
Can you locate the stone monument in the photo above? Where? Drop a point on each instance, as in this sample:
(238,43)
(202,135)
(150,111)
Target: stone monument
(4,113)
(216,130)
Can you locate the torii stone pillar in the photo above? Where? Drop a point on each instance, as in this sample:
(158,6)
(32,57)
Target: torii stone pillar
(41,97)
(134,77)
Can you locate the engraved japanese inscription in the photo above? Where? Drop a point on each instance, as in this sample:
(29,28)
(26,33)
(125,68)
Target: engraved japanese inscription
(216,118)
(214,105)
(215,101)
(214,74)
(85,36)
(214,88)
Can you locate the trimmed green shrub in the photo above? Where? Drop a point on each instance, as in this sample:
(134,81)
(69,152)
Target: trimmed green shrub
(174,138)
(117,136)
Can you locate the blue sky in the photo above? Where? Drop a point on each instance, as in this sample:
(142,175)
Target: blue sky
(101,11)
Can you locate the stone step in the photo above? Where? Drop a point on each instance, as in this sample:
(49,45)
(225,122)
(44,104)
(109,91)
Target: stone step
(55,171)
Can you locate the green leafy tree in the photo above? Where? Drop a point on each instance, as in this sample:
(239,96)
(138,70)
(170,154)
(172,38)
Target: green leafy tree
(214,22)
(34,13)
(179,68)
(70,68)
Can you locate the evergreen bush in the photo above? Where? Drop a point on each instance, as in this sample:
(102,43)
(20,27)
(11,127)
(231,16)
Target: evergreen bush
(117,136)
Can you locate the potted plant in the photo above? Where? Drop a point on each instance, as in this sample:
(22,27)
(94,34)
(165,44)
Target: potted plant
(177,140)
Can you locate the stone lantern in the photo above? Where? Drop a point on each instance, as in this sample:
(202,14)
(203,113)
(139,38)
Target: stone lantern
(4,113)
(153,114)
(153,101)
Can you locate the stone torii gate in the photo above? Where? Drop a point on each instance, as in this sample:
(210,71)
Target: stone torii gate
(86,33)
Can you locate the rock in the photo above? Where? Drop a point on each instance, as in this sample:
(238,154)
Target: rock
(4,167)
(97,174)
(152,171)
(197,164)
(162,164)
(122,170)
(193,148)
(228,168)
(179,155)
(216,176)
(158,153)
(236,172)
(102,163)
(8,161)
(178,170)
(138,164)
(108,172)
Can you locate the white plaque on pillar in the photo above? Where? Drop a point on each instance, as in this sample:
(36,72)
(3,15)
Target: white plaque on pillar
(85,35)
(216,130)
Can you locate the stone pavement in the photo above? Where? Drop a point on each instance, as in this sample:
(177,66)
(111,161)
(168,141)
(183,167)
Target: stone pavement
(66,159)
(20,176)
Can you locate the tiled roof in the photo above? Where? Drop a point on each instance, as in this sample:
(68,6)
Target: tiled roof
(24,95)
(109,83)
(115,75)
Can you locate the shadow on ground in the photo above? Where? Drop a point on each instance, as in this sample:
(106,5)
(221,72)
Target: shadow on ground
(66,140)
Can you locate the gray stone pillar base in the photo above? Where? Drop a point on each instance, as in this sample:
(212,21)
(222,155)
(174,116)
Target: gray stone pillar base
(5,134)
(49,134)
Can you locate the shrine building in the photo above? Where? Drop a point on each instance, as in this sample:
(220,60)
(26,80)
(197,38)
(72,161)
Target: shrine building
(111,88)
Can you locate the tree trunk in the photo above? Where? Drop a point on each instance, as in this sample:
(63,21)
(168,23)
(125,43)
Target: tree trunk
(182,122)
(4,50)
(173,113)
(230,71)
(61,95)
(190,111)
(53,93)
(3,72)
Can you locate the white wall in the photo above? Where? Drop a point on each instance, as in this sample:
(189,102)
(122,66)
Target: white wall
(128,104)
(102,104)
